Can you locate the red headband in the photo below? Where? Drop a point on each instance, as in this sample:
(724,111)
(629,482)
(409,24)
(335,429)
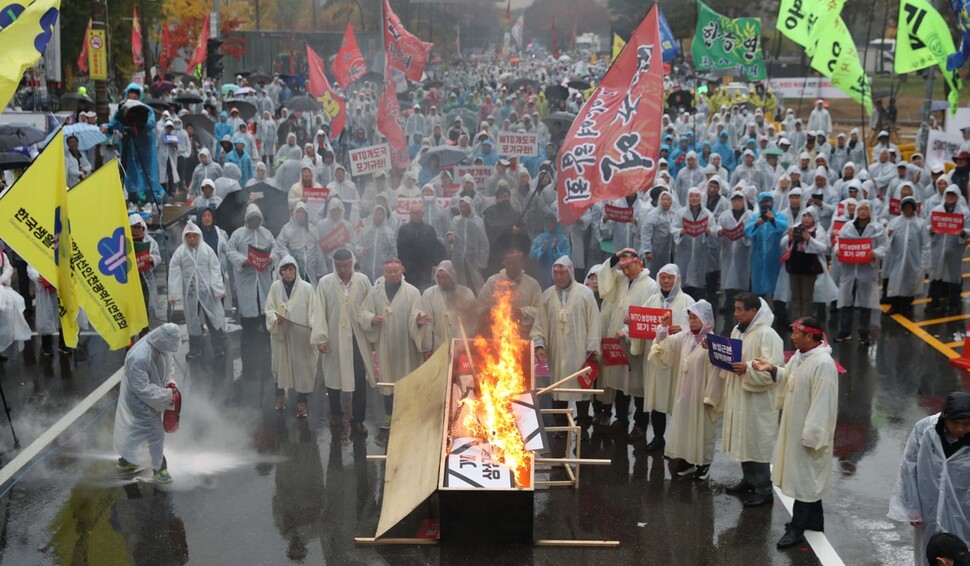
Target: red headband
(807,329)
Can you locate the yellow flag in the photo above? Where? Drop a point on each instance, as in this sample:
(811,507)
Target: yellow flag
(24,40)
(33,213)
(105,269)
(618,45)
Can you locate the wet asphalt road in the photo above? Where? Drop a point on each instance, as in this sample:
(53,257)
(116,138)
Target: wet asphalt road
(256,487)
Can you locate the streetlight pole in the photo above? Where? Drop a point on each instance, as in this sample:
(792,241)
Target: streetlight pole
(99,22)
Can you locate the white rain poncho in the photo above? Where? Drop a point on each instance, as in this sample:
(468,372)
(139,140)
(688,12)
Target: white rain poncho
(750,418)
(336,322)
(698,391)
(808,396)
(908,258)
(618,293)
(445,309)
(469,252)
(735,248)
(148,276)
(946,250)
(625,234)
(568,326)
(378,243)
(195,278)
(203,171)
(655,234)
(692,253)
(863,278)
(13,327)
(297,240)
(397,340)
(250,284)
(931,488)
(659,381)
(294,358)
(46,319)
(229,182)
(149,366)
(333,225)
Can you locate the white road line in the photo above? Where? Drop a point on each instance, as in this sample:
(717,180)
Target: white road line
(28,454)
(818,541)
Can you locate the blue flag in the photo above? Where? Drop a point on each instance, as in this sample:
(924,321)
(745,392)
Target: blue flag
(667,41)
(723,352)
(961,14)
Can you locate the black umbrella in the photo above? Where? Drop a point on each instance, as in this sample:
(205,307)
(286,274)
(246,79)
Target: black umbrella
(19,135)
(187,99)
(161,87)
(200,122)
(520,83)
(565,119)
(578,85)
(557,92)
(432,84)
(246,109)
(161,105)
(260,78)
(72,101)
(303,104)
(231,213)
(373,77)
(13,160)
(135,114)
(447,156)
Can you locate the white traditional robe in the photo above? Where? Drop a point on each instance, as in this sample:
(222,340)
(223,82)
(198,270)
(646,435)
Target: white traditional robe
(397,339)
(336,323)
(568,331)
(294,357)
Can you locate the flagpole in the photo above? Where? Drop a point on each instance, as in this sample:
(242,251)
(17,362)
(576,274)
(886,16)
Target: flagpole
(865,59)
(931,75)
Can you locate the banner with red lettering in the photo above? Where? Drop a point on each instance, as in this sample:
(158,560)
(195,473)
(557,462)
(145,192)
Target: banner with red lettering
(618,214)
(198,57)
(349,64)
(335,240)
(694,228)
(319,87)
(371,159)
(894,207)
(947,223)
(855,250)
(259,257)
(736,233)
(480,174)
(613,352)
(403,51)
(514,144)
(315,199)
(836,228)
(389,122)
(612,147)
(644,322)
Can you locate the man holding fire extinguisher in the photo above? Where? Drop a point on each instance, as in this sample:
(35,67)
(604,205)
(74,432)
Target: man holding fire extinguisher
(147,390)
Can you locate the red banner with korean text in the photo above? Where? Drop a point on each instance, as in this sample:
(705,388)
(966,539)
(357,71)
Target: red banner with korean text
(335,239)
(389,122)
(736,233)
(618,214)
(855,250)
(403,50)
(947,223)
(612,147)
(613,352)
(259,257)
(319,87)
(694,228)
(349,64)
(644,322)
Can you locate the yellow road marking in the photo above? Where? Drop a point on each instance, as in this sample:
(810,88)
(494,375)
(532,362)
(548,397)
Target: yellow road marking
(939,346)
(943,320)
(927,300)
(957,344)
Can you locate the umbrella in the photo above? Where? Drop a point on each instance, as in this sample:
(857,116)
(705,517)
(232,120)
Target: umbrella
(773,151)
(303,104)
(373,77)
(187,99)
(135,113)
(246,109)
(578,85)
(161,87)
(13,160)
(73,100)
(469,119)
(160,105)
(447,155)
(19,135)
(271,202)
(432,84)
(520,83)
(288,173)
(87,135)
(565,58)
(260,78)
(245,90)
(200,122)
(564,119)
(229,88)
(557,92)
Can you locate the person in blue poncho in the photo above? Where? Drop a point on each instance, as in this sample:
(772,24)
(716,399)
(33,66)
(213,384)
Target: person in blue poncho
(547,248)
(134,125)
(241,159)
(765,231)
(724,149)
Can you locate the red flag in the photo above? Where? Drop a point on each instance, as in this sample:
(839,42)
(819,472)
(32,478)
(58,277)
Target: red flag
(136,56)
(200,47)
(403,51)
(389,122)
(165,56)
(612,147)
(554,44)
(349,64)
(319,87)
(82,59)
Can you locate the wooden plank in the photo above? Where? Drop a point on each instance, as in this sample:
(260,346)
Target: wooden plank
(378,541)
(579,543)
(414,447)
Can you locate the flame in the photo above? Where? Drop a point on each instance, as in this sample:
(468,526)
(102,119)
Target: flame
(500,377)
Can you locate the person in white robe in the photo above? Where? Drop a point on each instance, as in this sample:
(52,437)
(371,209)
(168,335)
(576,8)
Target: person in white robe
(447,303)
(289,310)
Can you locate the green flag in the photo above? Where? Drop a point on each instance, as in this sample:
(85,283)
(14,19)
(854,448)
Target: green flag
(924,40)
(725,44)
(803,21)
(836,57)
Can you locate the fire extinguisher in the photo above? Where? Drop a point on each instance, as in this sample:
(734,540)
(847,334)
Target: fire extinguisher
(170,420)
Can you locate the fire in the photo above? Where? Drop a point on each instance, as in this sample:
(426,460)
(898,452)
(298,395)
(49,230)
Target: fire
(500,376)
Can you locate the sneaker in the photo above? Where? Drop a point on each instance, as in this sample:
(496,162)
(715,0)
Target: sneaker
(702,473)
(843,338)
(47,350)
(162,476)
(64,350)
(793,537)
(689,470)
(280,402)
(126,467)
(301,412)
(191,355)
